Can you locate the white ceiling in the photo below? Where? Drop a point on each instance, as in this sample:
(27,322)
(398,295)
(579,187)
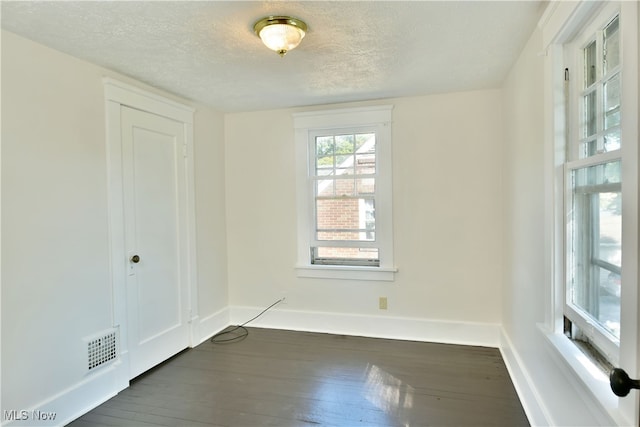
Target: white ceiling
(354,50)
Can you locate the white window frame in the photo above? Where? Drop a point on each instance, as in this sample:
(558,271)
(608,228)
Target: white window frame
(307,124)
(597,335)
(560,24)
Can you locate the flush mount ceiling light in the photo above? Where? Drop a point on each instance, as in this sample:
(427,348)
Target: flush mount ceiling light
(280,33)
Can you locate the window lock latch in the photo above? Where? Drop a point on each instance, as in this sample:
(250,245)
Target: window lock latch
(620,382)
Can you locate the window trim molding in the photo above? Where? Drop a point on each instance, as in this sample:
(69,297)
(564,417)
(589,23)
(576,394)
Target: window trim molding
(346,272)
(305,123)
(591,384)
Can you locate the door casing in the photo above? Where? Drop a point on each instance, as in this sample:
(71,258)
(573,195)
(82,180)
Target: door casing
(117,95)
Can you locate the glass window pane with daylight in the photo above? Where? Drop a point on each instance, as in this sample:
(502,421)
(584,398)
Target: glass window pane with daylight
(611,43)
(354,256)
(595,226)
(345,183)
(600,98)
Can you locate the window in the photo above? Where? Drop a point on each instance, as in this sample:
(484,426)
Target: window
(591,130)
(593,190)
(343,171)
(344,193)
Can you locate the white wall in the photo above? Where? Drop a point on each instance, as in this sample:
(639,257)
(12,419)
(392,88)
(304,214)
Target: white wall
(213,294)
(447,215)
(524,193)
(55,256)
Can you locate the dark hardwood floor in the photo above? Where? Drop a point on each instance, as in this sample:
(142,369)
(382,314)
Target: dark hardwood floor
(287,378)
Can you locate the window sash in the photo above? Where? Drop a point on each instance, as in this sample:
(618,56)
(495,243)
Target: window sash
(583,304)
(602,338)
(587,147)
(594,74)
(354,238)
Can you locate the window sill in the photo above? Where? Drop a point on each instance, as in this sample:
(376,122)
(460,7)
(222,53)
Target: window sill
(589,378)
(347,272)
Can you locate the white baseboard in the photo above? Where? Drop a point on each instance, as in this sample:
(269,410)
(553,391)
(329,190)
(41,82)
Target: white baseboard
(213,324)
(71,403)
(531,400)
(404,328)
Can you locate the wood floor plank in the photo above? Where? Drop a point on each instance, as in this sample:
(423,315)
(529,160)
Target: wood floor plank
(290,378)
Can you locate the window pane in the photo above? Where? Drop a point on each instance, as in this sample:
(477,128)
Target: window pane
(609,301)
(345,144)
(595,225)
(345,256)
(589,148)
(592,178)
(369,209)
(346,154)
(611,46)
(590,123)
(349,236)
(325,188)
(366,142)
(366,186)
(612,102)
(350,219)
(365,164)
(324,153)
(590,65)
(612,140)
(609,237)
(345,164)
(345,187)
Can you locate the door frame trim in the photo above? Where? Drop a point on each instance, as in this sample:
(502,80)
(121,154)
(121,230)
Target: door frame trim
(118,94)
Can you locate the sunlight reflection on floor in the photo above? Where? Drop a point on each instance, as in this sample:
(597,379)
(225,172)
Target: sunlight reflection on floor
(387,392)
(380,399)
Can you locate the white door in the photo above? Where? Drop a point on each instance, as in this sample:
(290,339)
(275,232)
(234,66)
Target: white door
(154,187)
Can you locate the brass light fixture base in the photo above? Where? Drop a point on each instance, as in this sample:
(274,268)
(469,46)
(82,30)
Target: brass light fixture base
(280,33)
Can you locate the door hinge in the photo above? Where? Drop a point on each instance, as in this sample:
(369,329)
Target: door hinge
(184,150)
(566,74)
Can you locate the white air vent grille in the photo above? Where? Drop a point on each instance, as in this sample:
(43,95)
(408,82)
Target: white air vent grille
(101,349)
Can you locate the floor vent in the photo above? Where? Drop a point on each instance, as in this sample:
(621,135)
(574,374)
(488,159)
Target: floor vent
(101,349)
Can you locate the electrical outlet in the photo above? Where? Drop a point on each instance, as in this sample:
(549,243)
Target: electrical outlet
(382,303)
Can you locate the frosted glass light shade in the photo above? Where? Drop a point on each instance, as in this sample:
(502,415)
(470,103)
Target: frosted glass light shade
(280,33)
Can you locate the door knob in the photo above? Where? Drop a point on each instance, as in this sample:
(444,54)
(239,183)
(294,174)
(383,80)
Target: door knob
(620,382)
(135,259)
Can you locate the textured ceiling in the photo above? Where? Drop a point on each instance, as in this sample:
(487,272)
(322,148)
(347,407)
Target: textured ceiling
(206,50)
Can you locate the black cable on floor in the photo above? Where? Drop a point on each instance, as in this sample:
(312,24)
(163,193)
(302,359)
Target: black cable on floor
(243,331)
